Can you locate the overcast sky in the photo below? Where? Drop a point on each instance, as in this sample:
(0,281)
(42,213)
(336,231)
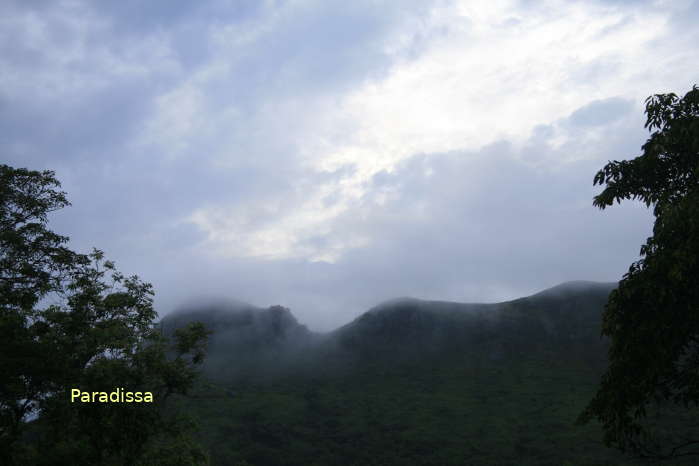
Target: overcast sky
(328,155)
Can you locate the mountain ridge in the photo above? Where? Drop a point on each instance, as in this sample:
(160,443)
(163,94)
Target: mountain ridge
(248,341)
(454,383)
(224,307)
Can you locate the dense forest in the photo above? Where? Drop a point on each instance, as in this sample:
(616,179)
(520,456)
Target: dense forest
(408,382)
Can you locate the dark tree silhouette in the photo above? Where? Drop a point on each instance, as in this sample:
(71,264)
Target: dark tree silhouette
(65,324)
(652,319)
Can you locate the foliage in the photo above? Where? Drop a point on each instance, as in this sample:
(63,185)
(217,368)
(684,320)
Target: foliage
(363,396)
(71,320)
(652,318)
(455,410)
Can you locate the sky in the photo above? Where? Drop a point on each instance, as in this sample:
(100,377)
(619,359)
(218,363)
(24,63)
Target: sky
(329,155)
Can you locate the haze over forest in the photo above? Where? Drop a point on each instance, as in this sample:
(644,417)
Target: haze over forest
(410,382)
(326,155)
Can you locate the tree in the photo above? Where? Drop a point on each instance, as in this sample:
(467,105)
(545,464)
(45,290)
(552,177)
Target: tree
(64,325)
(652,318)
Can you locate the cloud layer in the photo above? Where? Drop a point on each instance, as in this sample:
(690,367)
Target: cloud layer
(326,156)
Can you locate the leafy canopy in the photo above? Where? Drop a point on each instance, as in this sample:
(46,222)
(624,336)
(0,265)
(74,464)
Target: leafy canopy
(652,318)
(70,320)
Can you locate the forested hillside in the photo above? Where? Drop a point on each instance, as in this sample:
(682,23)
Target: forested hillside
(408,382)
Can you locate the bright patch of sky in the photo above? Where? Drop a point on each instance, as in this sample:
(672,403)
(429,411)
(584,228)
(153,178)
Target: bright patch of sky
(326,155)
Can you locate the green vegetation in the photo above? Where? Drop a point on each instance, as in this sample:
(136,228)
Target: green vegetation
(652,319)
(414,382)
(65,325)
(447,414)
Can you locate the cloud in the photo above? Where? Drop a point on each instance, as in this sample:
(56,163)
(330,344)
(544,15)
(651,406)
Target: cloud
(458,91)
(326,155)
(481,225)
(600,112)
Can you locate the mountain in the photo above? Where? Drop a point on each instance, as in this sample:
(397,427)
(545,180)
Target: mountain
(242,324)
(249,341)
(409,382)
(246,340)
(567,311)
(563,319)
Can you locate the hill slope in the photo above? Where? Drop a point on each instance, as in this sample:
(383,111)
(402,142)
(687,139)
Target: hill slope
(247,341)
(564,318)
(567,315)
(410,382)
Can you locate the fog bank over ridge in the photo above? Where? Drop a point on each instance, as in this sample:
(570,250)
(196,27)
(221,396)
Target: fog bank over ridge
(218,310)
